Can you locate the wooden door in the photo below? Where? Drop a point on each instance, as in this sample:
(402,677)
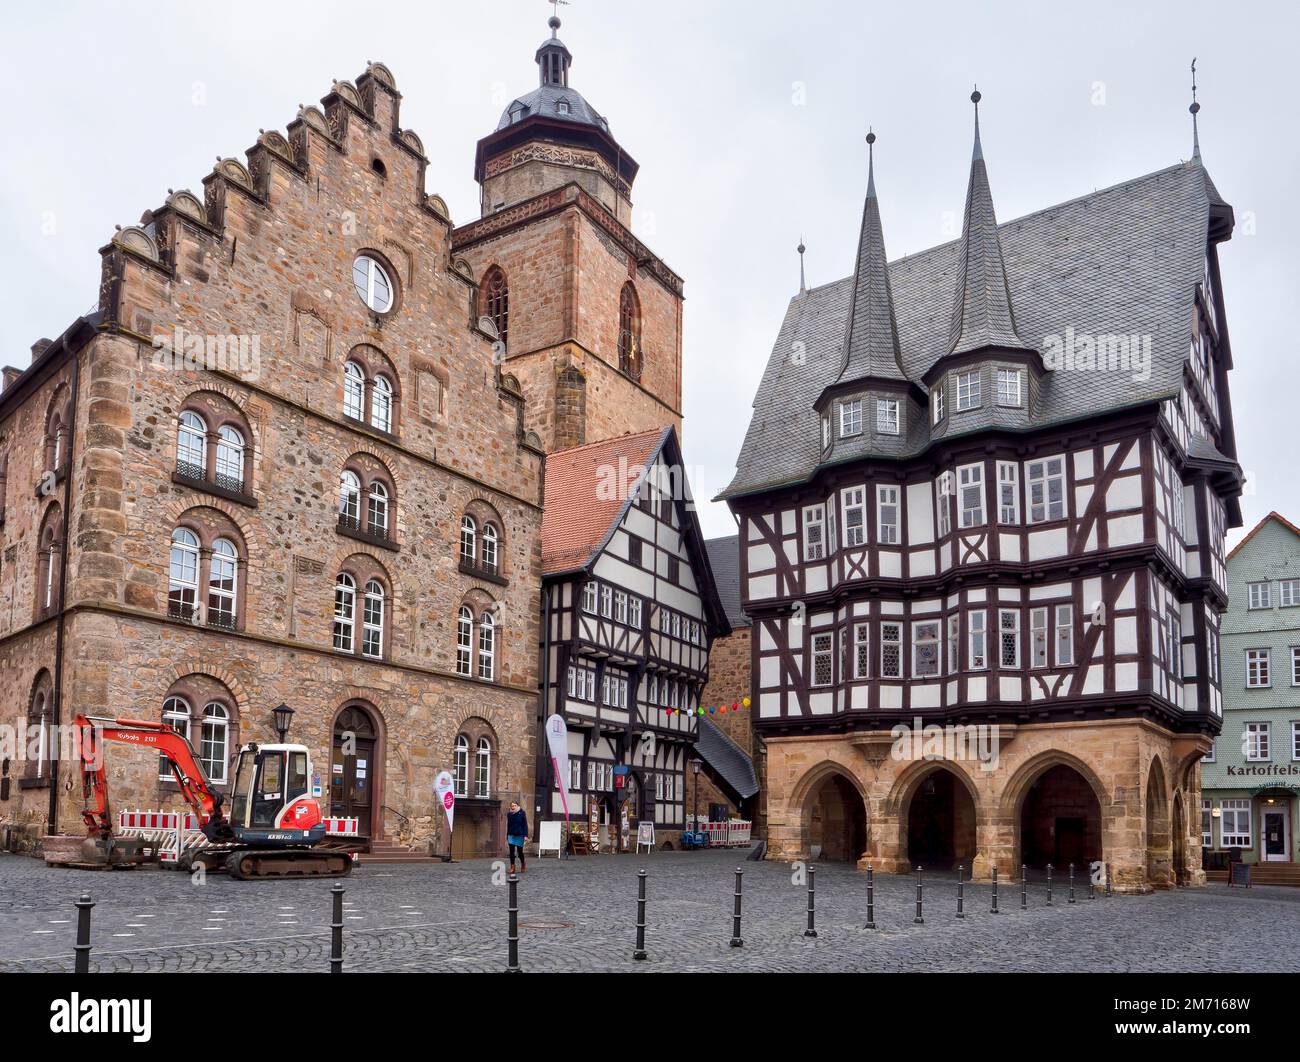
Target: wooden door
(353,770)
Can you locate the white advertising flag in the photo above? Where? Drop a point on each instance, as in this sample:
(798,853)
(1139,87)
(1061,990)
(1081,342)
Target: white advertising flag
(557,737)
(446,791)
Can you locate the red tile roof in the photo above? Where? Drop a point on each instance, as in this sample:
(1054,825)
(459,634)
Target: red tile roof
(1274,515)
(586,490)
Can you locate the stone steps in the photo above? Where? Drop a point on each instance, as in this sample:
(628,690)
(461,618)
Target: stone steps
(386,852)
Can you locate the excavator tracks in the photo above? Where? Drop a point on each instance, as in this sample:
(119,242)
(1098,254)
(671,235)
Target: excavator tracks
(273,863)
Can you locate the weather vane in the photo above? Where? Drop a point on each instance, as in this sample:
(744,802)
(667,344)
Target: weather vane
(556,5)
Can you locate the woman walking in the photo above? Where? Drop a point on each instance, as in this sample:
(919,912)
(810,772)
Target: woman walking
(516,834)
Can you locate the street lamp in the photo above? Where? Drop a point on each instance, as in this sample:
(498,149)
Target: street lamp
(695,767)
(283,717)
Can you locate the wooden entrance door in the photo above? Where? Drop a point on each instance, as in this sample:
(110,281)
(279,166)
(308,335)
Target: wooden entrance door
(1070,844)
(353,770)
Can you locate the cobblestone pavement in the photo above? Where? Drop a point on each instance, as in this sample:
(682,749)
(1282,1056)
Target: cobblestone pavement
(579,915)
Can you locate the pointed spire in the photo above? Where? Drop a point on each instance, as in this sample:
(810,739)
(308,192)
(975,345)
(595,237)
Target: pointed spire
(871,335)
(981,313)
(803,286)
(1195,109)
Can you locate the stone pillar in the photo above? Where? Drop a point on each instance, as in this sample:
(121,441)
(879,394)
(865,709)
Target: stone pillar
(995,840)
(886,846)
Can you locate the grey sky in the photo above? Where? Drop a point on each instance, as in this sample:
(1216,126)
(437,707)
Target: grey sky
(748,121)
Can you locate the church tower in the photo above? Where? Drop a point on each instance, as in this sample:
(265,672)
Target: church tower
(589,319)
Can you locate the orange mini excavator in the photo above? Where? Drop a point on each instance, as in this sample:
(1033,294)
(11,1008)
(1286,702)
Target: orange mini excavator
(274,829)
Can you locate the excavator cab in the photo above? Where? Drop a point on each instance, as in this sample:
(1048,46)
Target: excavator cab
(271,803)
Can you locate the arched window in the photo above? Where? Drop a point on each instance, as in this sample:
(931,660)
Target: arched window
(377,514)
(214,744)
(486,647)
(629,332)
(48,560)
(483,768)
(223,584)
(191,446)
(354,391)
(496,301)
(468,540)
(490,548)
(176,714)
(183,581)
(40,715)
(381,404)
(230,458)
(372,620)
(350,500)
(460,766)
(464,640)
(345,608)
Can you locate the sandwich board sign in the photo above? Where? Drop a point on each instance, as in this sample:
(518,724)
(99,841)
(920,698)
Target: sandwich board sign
(645,835)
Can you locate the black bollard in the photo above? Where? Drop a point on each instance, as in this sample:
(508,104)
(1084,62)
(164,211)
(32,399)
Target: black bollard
(81,949)
(736,941)
(1071,900)
(918,920)
(336,930)
(1109,891)
(1024,889)
(811,931)
(512,934)
(960,870)
(640,916)
(871,899)
(994,908)
(1049,884)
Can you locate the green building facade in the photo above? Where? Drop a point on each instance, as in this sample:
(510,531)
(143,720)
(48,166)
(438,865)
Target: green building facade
(1249,787)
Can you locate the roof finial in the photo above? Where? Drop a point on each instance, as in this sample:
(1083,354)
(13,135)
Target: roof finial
(803,286)
(1195,109)
(871,163)
(554,20)
(975,98)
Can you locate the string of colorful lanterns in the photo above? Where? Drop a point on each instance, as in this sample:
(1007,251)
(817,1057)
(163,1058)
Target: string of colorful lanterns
(736,706)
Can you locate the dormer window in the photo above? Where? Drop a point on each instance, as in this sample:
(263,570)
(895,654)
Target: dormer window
(968,390)
(826,432)
(562,107)
(851,418)
(1009,387)
(936,403)
(887,416)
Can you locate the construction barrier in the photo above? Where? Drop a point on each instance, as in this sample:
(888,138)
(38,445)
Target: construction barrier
(732,834)
(175,833)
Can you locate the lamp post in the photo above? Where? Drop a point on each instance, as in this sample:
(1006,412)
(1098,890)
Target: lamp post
(695,768)
(283,716)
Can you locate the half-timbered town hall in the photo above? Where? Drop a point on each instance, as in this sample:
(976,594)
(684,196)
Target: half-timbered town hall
(985,488)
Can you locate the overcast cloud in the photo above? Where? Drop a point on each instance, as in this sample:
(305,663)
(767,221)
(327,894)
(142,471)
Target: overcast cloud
(748,122)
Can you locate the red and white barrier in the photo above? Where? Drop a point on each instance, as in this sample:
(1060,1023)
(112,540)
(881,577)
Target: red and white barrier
(175,832)
(733,834)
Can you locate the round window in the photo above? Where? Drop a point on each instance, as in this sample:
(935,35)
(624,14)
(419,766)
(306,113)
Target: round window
(372,284)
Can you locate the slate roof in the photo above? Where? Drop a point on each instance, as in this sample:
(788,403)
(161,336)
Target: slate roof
(726,758)
(1123,260)
(579,516)
(724,559)
(545,100)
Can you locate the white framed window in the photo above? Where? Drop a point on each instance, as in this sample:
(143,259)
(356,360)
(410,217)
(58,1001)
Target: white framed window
(1295,665)
(1295,739)
(176,714)
(936,403)
(1009,637)
(891,650)
(861,651)
(1009,387)
(851,417)
(954,642)
(1045,485)
(943,490)
(887,416)
(968,389)
(823,659)
(1234,824)
(381,404)
(589,597)
(1008,492)
(490,543)
(1207,823)
(826,432)
(230,458)
(593,777)
(372,620)
(814,532)
(482,768)
(1261,595)
(1257,669)
(1213,755)
(971,494)
(1177,504)
(214,742)
(925,649)
(1255,741)
(1288,593)
(575,775)
(620,606)
(345,611)
(487,646)
(978,624)
(1038,637)
(377,509)
(1064,635)
(183,575)
(607,602)
(886,514)
(464,640)
(354,391)
(460,767)
(350,499)
(192,445)
(855,515)
(372,284)
(1175,630)
(223,584)
(634,611)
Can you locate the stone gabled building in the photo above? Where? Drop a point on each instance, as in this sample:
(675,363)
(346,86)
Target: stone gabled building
(987,485)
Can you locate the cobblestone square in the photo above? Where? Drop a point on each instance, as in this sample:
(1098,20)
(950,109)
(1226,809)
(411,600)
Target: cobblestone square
(579,915)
